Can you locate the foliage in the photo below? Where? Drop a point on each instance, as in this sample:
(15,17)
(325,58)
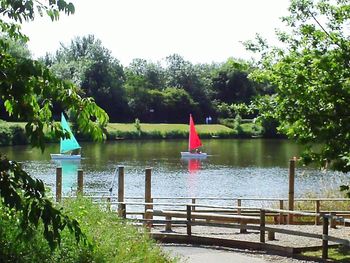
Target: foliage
(22,193)
(112,239)
(142,89)
(310,73)
(231,83)
(12,134)
(28,91)
(91,67)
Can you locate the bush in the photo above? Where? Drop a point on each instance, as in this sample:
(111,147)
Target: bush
(18,135)
(5,135)
(243,128)
(111,239)
(12,134)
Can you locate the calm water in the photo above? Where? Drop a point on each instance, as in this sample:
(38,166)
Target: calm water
(247,168)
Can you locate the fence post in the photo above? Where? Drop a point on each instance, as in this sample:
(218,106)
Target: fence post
(168,223)
(123,210)
(291,189)
(239,204)
(270,235)
(333,220)
(189,230)
(108,203)
(262,225)
(325,238)
(281,218)
(317,211)
(58,184)
(80,182)
(193,207)
(148,194)
(120,189)
(243,225)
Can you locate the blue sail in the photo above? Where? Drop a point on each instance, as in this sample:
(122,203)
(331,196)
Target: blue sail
(68,144)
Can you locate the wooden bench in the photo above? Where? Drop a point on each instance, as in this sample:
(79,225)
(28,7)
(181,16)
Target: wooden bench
(241,219)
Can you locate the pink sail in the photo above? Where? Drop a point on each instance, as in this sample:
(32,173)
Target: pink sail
(193,140)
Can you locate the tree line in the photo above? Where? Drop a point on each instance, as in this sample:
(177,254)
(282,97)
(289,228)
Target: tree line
(309,79)
(156,92)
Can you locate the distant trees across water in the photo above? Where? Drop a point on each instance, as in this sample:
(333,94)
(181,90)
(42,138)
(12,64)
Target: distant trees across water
(154,92)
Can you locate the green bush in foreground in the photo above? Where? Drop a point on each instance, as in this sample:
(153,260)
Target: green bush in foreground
(111,239)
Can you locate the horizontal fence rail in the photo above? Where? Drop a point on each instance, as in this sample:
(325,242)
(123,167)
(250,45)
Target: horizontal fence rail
(191,217)
(228,212)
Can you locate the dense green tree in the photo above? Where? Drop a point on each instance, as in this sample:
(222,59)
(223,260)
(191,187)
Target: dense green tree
(183,74)
(92,68)
(137,95)
(151,73)
(149,100)
(143,83)
(178,105)
(19,50)
(311,73)
(231,83)
(28,90)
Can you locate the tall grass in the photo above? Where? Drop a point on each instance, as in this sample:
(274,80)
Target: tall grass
(328,188)
(111,239)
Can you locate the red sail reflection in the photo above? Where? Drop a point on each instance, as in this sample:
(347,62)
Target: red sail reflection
(194,165)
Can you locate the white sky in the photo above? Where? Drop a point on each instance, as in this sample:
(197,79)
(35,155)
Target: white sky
(202,31)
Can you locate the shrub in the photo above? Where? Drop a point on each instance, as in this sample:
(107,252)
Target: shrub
(5,135)
(18,135)
(12,134)
(111,239)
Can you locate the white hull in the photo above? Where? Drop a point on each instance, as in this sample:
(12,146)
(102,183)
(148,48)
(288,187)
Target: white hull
(193,155)
(59,156)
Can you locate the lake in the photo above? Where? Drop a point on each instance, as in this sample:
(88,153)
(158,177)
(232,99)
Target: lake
(235,168)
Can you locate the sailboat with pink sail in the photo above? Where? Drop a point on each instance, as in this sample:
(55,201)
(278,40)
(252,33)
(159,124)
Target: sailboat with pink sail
(194,143)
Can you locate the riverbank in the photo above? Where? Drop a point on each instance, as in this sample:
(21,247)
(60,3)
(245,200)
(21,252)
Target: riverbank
(13,133)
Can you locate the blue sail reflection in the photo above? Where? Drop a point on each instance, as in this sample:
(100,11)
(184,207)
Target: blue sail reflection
(69,174)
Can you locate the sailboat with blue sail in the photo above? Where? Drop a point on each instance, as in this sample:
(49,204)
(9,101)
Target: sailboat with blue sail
(67,145)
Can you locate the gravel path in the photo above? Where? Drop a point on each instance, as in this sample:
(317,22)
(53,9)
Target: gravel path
(201,254)
(254,236)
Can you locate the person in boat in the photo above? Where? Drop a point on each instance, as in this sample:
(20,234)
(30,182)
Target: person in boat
(198,151)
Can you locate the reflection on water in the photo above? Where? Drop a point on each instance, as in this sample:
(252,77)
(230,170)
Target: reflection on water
(248,168)
(69,174)
(193,164)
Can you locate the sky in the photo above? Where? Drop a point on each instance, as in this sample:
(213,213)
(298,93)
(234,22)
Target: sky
(201,31)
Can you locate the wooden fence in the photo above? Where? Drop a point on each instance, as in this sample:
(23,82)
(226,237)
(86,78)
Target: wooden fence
(191,217)
(192,211)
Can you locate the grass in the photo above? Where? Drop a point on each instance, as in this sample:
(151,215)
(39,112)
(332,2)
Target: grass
(164,127)
(111,239)
(12,133)
(165,131)
(336,254)
(327,191)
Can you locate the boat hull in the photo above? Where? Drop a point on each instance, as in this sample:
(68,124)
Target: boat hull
(59,156)
(193,155)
